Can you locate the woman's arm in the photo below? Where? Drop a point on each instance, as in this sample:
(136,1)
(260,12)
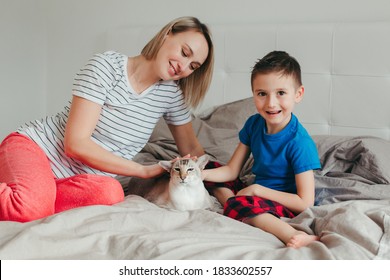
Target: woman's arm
(295,202)
(83,117)
(186,140)
(230,171)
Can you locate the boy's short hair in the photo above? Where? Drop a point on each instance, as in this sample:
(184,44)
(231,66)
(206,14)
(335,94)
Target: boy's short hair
(279,62)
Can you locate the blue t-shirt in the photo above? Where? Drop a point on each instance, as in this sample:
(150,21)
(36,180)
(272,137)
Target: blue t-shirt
(278,157)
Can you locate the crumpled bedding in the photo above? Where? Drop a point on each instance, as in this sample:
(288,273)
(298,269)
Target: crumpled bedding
(351,215)
(352,168)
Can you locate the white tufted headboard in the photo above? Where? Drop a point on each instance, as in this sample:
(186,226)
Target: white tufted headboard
(345,67)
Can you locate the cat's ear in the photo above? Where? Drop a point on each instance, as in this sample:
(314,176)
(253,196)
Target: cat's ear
(166,164)
(202,161)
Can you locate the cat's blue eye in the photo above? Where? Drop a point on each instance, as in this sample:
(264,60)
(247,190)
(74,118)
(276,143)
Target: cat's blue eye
(190,169)
(177,169)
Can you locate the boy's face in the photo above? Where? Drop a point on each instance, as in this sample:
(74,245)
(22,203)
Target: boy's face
(275,96)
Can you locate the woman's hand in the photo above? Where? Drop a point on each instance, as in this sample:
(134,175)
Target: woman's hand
(151,171)
(186,140)
(188,156)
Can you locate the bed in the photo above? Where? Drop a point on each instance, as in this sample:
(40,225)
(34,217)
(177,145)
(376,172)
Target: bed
(346,110)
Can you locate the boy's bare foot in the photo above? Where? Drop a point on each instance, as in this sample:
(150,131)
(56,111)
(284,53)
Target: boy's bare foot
(301,239)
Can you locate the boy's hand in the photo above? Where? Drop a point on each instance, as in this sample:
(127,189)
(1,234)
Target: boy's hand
(203,174)
(252,190)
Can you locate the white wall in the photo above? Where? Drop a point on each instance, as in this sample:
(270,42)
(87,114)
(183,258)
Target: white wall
(22,63)
(45,42)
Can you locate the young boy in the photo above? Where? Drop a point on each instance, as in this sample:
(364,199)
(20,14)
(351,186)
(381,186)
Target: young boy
(284,155)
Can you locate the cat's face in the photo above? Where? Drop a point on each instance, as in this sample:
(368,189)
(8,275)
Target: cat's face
(185,170)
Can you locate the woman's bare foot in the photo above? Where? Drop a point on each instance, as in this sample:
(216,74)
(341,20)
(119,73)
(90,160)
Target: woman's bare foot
(301,239)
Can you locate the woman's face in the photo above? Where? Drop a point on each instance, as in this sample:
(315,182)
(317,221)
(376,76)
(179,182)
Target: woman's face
(181,54)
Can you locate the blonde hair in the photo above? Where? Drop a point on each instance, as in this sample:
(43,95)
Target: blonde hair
(195,86)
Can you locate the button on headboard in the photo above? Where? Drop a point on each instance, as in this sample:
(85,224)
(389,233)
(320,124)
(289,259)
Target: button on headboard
(345,69)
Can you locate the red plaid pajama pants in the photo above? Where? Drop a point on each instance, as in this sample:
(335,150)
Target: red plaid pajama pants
(242,207)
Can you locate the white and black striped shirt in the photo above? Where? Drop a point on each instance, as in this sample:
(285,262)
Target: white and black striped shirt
(127,118)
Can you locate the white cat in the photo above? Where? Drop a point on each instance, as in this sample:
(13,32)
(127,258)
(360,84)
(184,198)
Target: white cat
(186,190)
(182,190)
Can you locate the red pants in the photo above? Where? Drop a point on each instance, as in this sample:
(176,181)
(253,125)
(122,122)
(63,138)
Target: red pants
(29,190)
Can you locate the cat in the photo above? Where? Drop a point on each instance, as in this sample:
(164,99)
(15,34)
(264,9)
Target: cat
(186,190)
(182,190)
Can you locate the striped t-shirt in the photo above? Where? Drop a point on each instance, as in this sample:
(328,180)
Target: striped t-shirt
(127,118)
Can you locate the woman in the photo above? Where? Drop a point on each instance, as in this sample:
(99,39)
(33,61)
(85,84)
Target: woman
(69,160)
